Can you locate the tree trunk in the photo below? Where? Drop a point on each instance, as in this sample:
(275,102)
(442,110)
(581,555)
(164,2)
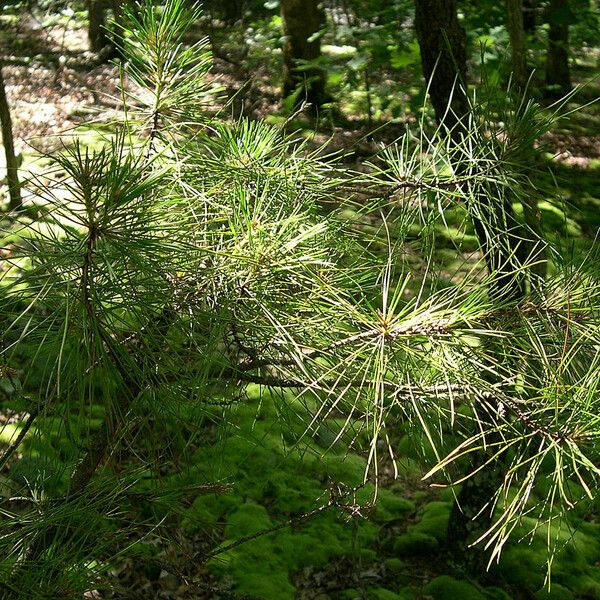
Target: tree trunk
(302,20)
(516,33)
(473,512)
(12,166)
(529,16)
(443,44)
(558,75)
(97,25)
(516,28)
(233,11)
(118,27)
(442,41)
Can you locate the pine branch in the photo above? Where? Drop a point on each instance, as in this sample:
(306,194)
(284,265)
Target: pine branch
(14,446)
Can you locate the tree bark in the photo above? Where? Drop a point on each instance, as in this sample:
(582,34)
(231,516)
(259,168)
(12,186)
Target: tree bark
(442,41)
(234,11)
(302,21)
(12,166)
(558,74)
(516,32)
(97,25)
(443,44)
(472,513)
(529,16)
(101,40)
(534,249)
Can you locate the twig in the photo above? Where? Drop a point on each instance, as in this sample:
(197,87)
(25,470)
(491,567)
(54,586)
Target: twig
(15,445)
(335,501)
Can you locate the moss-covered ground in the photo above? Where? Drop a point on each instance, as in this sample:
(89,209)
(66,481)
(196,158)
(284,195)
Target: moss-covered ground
(392,550)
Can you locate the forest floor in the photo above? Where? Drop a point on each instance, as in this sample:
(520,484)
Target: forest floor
(391,552)
(55,84)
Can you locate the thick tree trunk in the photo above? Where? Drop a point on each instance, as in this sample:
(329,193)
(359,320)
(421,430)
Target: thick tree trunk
(233,11)
(302,20)
(97,25)
(529,16)
(442,41)
(443,44)
(12,166)
(558,75)
(472,514)
(516,32)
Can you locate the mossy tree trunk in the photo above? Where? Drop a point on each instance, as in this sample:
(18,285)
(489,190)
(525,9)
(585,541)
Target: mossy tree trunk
(12,166)
(558,74)
(302,22)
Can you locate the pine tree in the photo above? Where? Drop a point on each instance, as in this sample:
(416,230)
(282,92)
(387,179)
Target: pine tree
(187,258)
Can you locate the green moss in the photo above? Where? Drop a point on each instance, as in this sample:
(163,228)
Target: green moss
(347,468)
(448,588)
(367,555)
(247,519)
(582,585)
(321,539)
(413,543)
(556,220)
(263,567)
(286,491)
(416,446)
(448,494)
(381,594)
(496,593)
(394,565)
(256,572)
(391,507)
(410,593)
(257,567)
(409,467)
(9,432)
(272,484)
(434,520)
(334,434)
(572,565)
(556,592)
(289,483)
(44,471)
(141,552)
(206,511)
(572,490)
(399,571)
(523,566)
(419,496)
